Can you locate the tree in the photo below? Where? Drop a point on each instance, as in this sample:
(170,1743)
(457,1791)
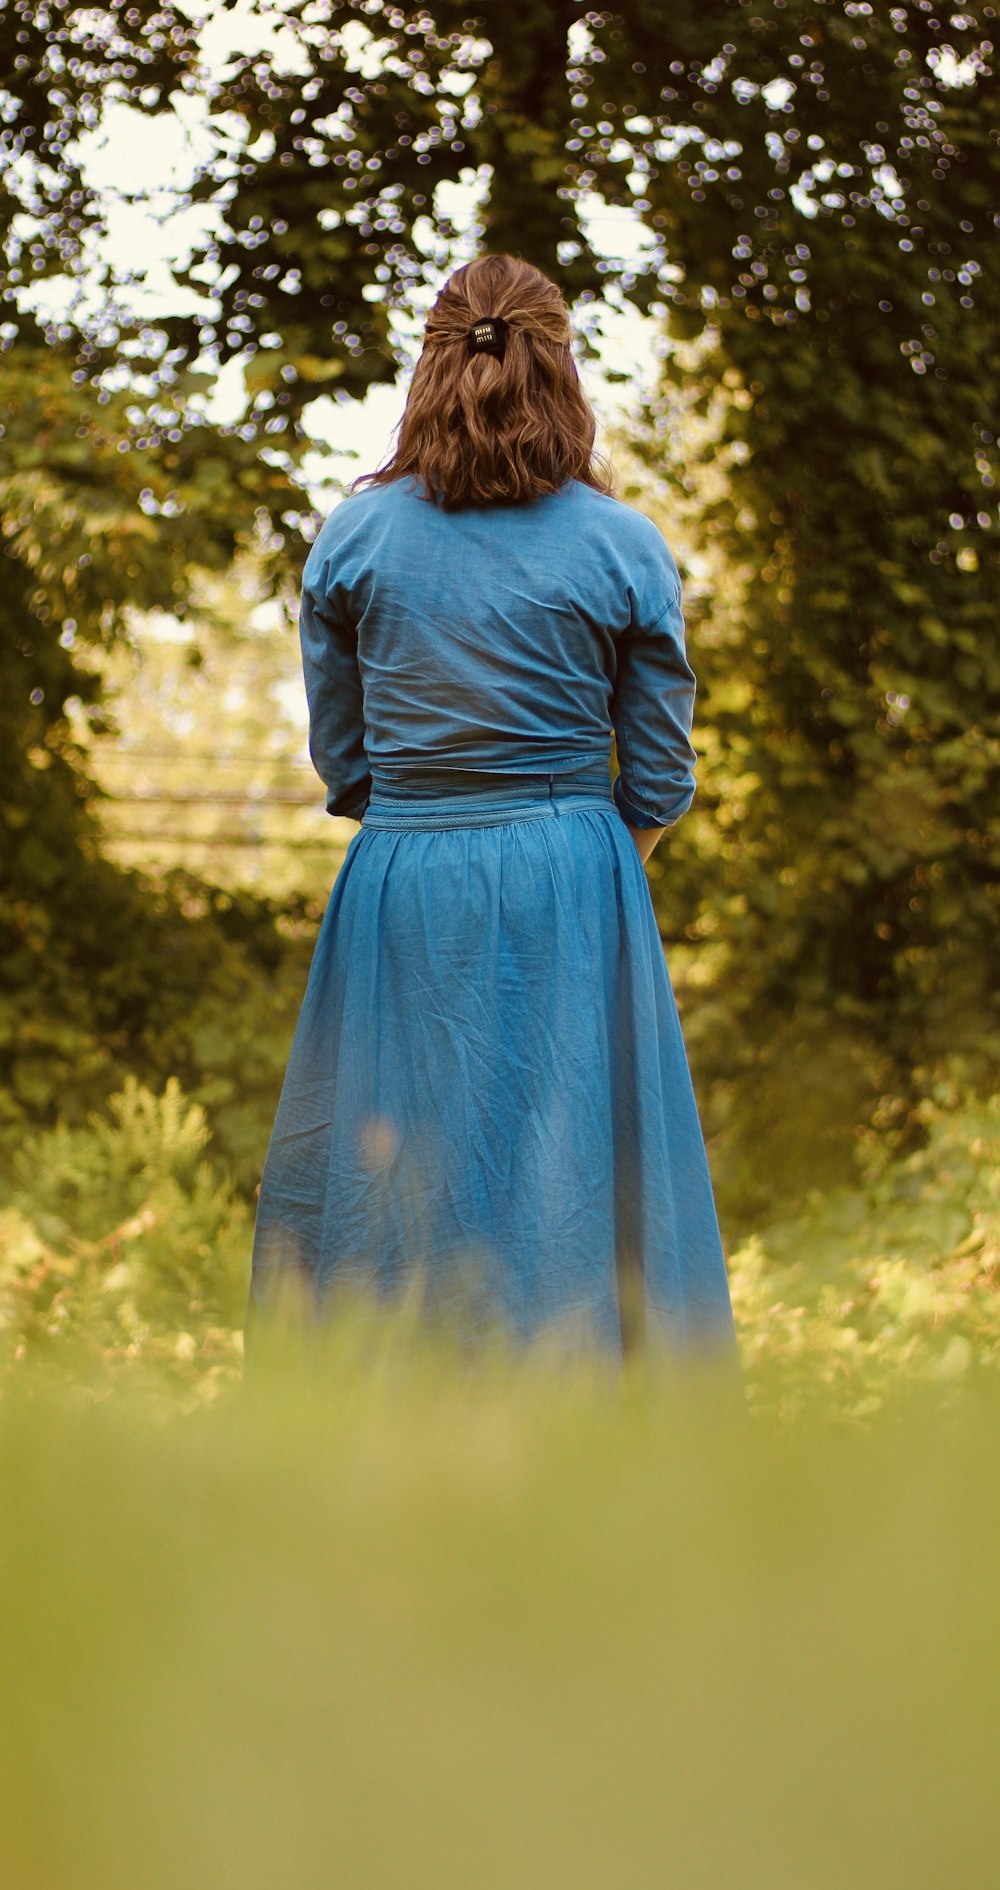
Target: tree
(846,310)
(817,178)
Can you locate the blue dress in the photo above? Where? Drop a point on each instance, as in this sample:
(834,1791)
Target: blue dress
(488,1085)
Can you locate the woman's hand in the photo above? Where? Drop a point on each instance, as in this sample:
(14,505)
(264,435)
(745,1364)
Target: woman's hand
(645,839)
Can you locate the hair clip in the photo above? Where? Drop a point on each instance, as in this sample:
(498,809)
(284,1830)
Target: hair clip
(488,336)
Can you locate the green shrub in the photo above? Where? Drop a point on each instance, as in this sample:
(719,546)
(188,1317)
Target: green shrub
(889,1283)
(120,1236)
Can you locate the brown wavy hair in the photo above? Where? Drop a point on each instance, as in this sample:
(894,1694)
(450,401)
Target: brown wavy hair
(481,431)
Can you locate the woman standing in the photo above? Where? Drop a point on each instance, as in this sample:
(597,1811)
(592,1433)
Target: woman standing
(488,1084)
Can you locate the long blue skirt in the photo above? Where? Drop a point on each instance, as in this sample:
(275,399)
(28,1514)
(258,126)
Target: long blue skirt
(488,1089)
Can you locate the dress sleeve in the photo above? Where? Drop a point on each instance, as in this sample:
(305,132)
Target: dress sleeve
(336,706)
(653,705)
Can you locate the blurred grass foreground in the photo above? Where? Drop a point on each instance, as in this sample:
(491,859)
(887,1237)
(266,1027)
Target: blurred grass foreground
(375,1619)
(391,1611)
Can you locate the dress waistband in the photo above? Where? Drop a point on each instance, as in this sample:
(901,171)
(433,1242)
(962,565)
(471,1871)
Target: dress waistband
(461,797)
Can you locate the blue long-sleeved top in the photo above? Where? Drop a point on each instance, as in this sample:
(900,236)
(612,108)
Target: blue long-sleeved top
(501,638)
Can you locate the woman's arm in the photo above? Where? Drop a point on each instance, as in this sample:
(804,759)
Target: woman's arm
(646,838)
(336,702)
(653,707)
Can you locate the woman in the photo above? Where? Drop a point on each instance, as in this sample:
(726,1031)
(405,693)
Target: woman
(488,1088)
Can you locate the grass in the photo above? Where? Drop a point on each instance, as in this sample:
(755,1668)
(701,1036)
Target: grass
(387,1616)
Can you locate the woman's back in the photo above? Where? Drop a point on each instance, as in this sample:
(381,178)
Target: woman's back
(497,637)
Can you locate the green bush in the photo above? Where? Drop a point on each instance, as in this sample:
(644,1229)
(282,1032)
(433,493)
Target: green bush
(881,1285)
(121,1237)
(207,990)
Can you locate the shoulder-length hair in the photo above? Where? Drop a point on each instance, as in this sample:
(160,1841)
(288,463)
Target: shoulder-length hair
(483,430)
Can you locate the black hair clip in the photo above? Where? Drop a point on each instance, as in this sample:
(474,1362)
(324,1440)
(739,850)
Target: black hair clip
(488,336)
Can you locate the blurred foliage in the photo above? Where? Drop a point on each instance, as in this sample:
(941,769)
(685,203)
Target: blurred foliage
(511,1626)
(329,141)
(205,765)
(108,509)
(824,450)
(174,978)
(120,1235)
(102,972)
(879,1287)
(839,507)
(120,1239)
